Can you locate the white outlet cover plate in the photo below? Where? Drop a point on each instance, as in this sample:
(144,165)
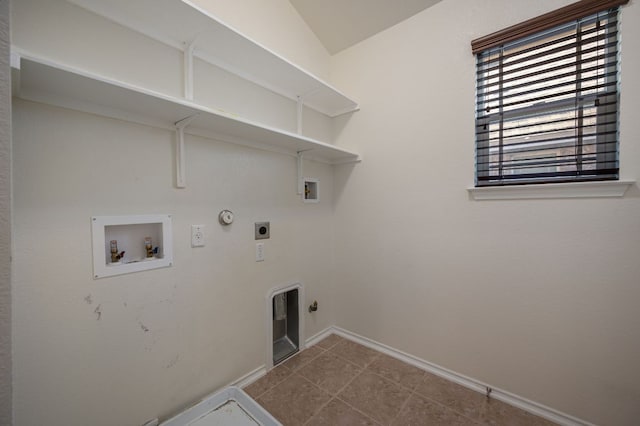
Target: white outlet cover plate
(259,252)
(197,236)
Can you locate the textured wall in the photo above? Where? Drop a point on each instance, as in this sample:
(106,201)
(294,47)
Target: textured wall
(535,297)
(125,349)
(5,218)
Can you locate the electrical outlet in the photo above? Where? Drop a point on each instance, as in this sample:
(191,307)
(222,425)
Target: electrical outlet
(259,252)
(197,235)
(262,230)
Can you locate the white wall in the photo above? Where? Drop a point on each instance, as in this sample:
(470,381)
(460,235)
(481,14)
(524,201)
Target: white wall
(5,218)
(125,349)
(82,349)
(539,298)
(536,297)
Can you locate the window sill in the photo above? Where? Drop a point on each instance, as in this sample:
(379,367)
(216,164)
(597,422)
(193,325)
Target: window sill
(601,189)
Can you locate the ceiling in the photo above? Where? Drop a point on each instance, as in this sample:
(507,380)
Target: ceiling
(342,23)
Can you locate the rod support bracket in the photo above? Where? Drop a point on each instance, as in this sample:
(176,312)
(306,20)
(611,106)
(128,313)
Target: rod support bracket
(180,125)
(300,179)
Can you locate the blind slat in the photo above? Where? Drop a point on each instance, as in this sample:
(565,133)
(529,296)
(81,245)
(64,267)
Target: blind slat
(605,101)
(493,81)
(555,85)
(546,107)
(492,55)
(556,123)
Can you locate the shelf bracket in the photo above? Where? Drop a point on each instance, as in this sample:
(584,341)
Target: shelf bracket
(15,73)
(300,104)
(299,157)
(188,70)
(300,178)
(181,180)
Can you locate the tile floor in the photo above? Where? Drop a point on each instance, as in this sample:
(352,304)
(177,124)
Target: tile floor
(339,382)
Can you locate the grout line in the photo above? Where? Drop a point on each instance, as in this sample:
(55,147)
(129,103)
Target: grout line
(318,410)
(290,370)
(393,382)
(390,371)
(362,370)
(378,353)
(404,404)
(365,369)
(323,405)
(415,392)
(410,391)
(511,399)
(335,394)
(360,367)
(335,344)
(275,384)
(443,405)
(358,410)
(515,401)
(349,405)
(294,373)
(304,364)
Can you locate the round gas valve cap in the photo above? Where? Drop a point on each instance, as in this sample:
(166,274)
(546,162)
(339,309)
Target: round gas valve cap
(225,217)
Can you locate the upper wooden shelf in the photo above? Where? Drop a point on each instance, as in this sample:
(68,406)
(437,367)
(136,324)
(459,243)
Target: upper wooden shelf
(40,80)
(181,23)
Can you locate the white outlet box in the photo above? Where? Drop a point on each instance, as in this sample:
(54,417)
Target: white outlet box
(129,233)
(197,236)
(259,252)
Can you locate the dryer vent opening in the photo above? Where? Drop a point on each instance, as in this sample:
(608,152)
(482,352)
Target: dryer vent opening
(286,325)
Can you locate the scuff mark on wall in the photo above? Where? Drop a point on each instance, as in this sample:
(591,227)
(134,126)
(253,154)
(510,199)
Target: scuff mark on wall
(173,361)
(88,299)
(149,346)
(143,327)
(98,312)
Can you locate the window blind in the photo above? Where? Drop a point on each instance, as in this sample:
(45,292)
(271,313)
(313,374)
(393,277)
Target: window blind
(547,104)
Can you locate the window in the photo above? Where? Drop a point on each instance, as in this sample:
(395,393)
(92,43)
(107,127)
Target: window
(547,98)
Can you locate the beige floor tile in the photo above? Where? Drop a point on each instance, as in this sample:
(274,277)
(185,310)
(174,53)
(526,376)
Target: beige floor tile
(266,382)
(337,413)
(377,385)
(420,411)
(330,372)
(302,358)
(354,352)
(463,400)
(294,401)
(397,371)
(497,413)
(375,396)
(330,341)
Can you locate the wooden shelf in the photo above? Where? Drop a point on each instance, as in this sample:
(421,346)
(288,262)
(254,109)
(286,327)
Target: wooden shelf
(180,23)
(39,80)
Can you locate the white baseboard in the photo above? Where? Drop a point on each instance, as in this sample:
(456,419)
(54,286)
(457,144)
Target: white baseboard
(249,378)
(321,335)
(468,382)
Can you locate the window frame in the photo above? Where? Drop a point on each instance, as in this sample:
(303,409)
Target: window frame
(541,28)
